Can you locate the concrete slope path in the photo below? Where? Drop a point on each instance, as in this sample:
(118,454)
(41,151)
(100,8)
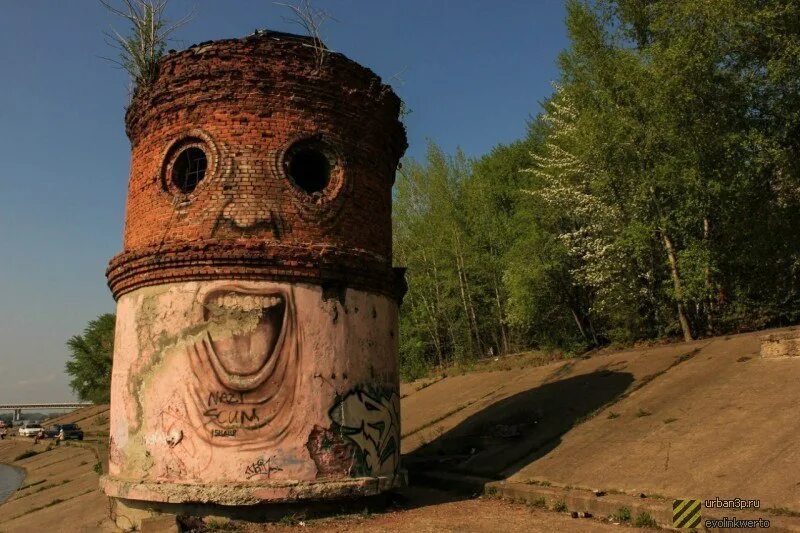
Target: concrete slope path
(693,420)
(725,423)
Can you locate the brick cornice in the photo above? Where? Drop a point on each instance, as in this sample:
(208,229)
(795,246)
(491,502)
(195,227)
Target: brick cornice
(268,261)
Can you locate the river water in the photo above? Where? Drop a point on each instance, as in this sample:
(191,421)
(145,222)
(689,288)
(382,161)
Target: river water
(10,480)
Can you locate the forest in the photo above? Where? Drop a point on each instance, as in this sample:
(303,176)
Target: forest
(655,196)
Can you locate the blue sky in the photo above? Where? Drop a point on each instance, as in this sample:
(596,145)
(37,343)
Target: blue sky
(472,72)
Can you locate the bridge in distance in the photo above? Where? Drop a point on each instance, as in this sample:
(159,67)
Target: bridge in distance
(17,408)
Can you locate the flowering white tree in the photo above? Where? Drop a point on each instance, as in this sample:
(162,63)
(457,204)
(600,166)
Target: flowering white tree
(590,228)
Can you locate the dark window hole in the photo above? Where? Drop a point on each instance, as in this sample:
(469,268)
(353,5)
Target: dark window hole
(310,169)
(189,169)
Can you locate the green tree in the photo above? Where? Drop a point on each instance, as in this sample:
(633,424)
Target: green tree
(665,152)
(657,195)
(90,360)
(428,239)
(491,195)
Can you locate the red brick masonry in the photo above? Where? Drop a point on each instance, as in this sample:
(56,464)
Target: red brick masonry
(246,102)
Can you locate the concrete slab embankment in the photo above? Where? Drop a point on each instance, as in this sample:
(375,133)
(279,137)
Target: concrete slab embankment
(610,505)
(722,424)
(698,420)
(60,491)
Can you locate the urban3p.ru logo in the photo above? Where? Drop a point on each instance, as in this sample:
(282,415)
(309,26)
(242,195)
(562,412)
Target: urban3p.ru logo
(686,513)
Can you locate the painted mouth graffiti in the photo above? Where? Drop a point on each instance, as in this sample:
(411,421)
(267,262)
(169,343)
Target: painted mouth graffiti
(246,331)
(245,364)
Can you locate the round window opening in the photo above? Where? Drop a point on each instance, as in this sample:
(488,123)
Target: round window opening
(309,168)
(189,169)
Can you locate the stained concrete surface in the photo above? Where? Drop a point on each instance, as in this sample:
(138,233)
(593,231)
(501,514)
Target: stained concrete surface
(703,419)
(60,491)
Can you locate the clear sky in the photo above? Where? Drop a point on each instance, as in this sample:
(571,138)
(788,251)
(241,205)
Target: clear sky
(472,72)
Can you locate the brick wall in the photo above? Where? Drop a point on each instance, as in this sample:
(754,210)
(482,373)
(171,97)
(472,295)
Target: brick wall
(246,103)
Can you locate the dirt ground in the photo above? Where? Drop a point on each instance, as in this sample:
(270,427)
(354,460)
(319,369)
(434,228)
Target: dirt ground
(60,494)
(423,510)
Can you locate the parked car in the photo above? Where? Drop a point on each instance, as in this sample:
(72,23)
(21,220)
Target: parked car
(70,432)
(30,430)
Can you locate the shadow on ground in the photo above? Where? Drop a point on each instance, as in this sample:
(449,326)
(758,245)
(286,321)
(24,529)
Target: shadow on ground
(516,431)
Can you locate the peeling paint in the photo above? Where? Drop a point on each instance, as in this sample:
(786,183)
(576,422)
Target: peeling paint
(194,420)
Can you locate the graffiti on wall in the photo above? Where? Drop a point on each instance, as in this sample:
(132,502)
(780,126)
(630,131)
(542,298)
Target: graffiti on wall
(364,437)
(228,382)
(245,364)
(261,467)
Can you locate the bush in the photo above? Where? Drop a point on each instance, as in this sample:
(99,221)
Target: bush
(623,514)
(413,364)
(220,524)
(539,503)
(643,519)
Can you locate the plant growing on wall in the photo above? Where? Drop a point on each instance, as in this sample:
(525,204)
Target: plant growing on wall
(145,42)
(311,19)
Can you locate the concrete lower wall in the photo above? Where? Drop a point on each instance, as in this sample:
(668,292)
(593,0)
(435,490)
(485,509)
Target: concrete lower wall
(248,384)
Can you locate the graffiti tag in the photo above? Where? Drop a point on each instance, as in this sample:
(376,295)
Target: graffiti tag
(233,417)
(261,468)
(223,432)
(227,398)
(371,421)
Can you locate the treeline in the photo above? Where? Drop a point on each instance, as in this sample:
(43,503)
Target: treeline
(656,195)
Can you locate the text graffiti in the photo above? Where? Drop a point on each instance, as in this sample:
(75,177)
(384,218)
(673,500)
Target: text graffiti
(261,468)
(233,417)
(227,398)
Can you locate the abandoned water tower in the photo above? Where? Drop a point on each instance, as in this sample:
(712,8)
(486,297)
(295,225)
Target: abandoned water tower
(255,358)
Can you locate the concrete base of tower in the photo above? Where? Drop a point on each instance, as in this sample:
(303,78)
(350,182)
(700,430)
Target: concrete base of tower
(137,501)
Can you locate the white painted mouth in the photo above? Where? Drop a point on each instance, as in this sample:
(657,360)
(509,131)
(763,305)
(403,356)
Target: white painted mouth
(244,347)
(243,302)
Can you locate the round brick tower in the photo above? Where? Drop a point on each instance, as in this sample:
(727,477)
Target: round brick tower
(255,356)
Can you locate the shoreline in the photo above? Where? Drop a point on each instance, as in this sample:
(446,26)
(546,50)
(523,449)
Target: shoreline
(58,482)
(22,474)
